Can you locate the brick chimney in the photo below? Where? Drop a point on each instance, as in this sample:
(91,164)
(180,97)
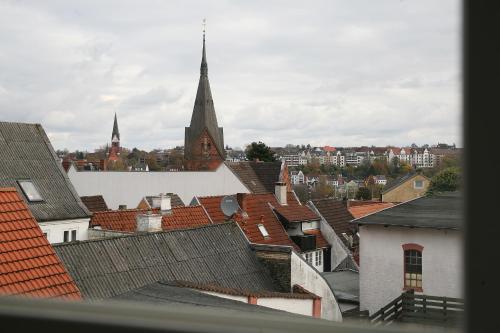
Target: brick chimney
(280,192)
(241,200)
(148,222)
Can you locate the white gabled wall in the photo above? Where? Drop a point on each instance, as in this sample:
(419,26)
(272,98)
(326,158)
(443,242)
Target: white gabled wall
(55,229)
(128,188)
(310,279)
(381,263)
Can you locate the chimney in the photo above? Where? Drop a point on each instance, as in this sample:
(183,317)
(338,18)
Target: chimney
(148,222)
(241,201)
(163,202)
(280,192)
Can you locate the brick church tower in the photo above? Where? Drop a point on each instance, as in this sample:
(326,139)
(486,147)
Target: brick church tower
(204,139)
(114,150)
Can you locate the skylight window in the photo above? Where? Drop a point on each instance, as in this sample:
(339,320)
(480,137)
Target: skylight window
(30,190)
(263,230)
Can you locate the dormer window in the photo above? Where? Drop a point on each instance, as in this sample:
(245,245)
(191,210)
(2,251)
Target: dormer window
(263,230)
(30,190)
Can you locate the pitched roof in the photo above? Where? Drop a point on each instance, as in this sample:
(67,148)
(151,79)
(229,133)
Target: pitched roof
(28,263)
(94,203)
(203,116)
(175,200)
(258,177)
(440,211)
(303,294)
(26,154)
(258,211)
(170,294)
(125,220)
(369,208)
(396,182)
(115,129)
(218,254)
(336,215)
(294,211)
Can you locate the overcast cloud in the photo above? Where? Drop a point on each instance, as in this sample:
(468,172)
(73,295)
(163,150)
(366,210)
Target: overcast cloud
(341,73)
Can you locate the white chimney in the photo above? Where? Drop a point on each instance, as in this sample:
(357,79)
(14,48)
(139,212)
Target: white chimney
(148,222)
(280,192)
(163,202)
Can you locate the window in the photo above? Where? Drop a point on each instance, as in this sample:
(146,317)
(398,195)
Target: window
(45,234)
(418,184)
(66,236)
(73,235)
(309,257)
(413,266)
(319,258)
(263,231)
(30,190)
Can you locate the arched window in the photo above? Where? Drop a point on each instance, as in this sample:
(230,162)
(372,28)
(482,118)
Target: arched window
(413,266)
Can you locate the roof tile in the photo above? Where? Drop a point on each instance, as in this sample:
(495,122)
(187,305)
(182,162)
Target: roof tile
(20,263)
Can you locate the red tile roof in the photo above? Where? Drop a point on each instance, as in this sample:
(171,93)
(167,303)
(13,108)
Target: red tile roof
(28,263)
(360,210)
(294,211)
(256,206)
(125,220)
(258,209)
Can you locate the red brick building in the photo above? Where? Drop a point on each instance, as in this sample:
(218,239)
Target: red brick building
(204,139)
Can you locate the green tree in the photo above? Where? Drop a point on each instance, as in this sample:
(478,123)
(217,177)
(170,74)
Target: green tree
(363,193)
(259,151)
(448,179)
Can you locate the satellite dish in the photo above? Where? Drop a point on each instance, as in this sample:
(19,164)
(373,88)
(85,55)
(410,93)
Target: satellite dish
(229,205)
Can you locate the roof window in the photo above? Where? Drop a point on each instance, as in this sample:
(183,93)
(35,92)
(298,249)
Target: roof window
(30,190)
(263,230)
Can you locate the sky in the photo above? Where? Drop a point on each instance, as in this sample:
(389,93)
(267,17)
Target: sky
(338,73)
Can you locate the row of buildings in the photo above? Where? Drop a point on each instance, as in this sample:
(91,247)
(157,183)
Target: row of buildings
(426,157)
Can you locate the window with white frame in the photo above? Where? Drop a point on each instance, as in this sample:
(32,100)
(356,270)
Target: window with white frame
(319,258)
(263,231)
(29,190)
(309,258)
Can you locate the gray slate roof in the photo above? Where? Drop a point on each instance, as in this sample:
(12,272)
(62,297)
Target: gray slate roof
(164,293)
(203,116)
(218,254)
(26,153)
(440,211)
(258,177)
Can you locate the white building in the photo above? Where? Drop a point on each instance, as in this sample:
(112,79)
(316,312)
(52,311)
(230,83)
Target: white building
(128,188)
(414,245)
(29,163)
(297,177)
(294,159)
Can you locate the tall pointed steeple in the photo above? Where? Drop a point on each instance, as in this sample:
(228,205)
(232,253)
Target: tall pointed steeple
(203,131)
(116,132)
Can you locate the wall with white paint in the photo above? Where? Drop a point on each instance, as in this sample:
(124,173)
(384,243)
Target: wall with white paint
(381,263)
(55,229)
(293,305)
(310,279)
(128,188)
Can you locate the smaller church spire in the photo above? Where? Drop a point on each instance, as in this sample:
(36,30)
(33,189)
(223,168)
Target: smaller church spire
(116,133)
(204,66)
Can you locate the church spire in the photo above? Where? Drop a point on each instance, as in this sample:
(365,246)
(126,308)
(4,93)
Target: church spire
(116,132)
(204,139)
(204,66)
